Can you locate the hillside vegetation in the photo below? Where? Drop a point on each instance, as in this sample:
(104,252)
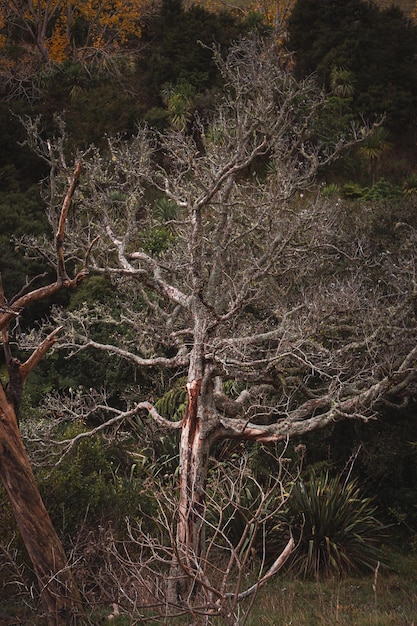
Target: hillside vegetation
(249,182)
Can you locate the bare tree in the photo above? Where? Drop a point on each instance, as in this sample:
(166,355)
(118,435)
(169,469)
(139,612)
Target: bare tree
(228,266)
(57,588)
(243,509)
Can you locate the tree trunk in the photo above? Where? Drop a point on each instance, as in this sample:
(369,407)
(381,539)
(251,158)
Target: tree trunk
(190,532)
(58,591)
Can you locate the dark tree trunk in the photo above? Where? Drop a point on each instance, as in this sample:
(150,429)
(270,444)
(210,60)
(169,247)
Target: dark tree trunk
(58,591)
(57,588)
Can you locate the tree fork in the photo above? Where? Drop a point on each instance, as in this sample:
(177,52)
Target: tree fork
(58,590)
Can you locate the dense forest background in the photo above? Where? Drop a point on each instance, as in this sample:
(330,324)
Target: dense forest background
(163,75)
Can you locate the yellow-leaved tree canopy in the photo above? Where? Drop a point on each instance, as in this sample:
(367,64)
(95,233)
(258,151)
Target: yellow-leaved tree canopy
(59,29)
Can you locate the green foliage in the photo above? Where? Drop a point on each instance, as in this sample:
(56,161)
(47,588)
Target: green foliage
(21,214)
(159,448)
(92,291)
(93,483)
(338,111)
(86,369)
(250,487)
(156,117)
(174,402)
(410,185)
(164,457)
(165,209)
(342,83)
(372,149)
(331,190)
(179,102)
(335,527)
(177,46)
(236,516)
(97,109)
(256,21)
(380,190)
(20,168)
(375,144)
(377,48)
(352,190)
(387,467)
(157,240)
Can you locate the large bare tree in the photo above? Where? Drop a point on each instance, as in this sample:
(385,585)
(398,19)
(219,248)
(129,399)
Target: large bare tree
(228,266)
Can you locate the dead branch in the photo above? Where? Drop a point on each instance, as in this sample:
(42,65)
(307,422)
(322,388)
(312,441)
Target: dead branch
(275,567)
(180,360)
(22,302)
(59,236)
(38,354)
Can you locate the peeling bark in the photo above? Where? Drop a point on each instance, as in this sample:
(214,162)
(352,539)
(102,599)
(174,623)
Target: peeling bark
(191,505)
(190,500)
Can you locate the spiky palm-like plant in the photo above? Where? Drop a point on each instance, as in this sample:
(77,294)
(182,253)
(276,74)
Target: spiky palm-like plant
(336,527)
(179,101)
(410,185)
(374,147)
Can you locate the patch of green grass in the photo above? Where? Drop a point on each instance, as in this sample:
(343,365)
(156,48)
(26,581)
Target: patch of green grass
(383,599)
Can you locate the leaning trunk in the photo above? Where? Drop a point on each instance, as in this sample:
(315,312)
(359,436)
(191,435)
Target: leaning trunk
(58,592)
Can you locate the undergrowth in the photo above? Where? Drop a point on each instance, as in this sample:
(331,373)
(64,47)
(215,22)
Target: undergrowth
(386,597)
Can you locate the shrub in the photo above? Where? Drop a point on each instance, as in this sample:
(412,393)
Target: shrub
(335,528)
(94,483)
(352,190)
(382,190)
(410,185)
(331,190)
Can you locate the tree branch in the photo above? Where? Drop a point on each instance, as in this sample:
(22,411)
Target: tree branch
(180,360)
(62,278)
(59,236)
(38,354)
(275,567)
(120,416)
(310,416)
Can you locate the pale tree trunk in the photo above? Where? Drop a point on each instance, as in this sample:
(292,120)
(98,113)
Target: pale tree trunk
(195,444)
(58,592)
(194,450)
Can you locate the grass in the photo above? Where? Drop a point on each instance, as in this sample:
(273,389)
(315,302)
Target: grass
(384,598)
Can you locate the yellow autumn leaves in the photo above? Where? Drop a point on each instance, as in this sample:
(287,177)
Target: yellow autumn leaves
(59,28)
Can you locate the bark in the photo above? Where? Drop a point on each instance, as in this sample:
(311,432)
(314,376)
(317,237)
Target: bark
(58,591)
(194,451)
(196,439)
